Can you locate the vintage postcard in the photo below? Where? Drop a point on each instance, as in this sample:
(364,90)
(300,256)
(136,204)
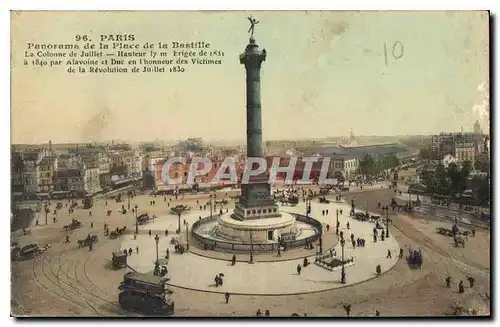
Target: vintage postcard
(250,164)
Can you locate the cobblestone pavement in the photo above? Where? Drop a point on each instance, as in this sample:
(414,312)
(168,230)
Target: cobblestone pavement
(68,281)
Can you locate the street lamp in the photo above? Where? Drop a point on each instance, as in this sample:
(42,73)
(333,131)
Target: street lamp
(136,224)
(179,212)
(308,206)
(210,206)
(251,247)
(187,237)
(342,274)
(386,222)
(157,240)
(337,226)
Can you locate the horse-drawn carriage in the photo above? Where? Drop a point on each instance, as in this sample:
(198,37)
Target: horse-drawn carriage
(115,233)
(74,225)
(142,219)
(444,231)
(91,239)
(323,199)
(178,248)
(459,240)
(119,259)
(415,259)
(222,202)
(181,208)
(361,216)
(28,251)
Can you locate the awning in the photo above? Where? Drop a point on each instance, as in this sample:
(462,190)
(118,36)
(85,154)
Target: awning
(60,192)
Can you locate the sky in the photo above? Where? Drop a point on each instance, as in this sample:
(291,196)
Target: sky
(325,73)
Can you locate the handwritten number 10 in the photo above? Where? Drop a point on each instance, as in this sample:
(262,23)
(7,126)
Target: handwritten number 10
(397,51)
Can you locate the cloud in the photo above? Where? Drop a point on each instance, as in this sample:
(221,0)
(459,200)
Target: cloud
(482,110)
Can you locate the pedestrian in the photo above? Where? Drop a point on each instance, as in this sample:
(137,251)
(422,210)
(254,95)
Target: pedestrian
(448,281)
(347,225)
(90,213)
(166,232)
(67,239)
(130,251)
(327,212)
(471,281)
(327,227)
(267,313)
(259,313)
(340,212)
(279,251)
(322,212)
(137,249)
(227,297)
(377,313)
(353,244)
(90,246)
(347,308)
(299,269)
(91,224)
(389,254)
(150,233)
(461,287)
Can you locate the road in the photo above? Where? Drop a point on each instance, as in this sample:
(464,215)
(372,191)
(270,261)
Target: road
(67,281)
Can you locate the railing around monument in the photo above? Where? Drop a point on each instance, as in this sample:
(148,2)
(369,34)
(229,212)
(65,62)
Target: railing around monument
(211,244)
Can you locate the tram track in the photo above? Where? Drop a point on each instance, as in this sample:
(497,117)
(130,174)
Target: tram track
(428,246)
(67,287)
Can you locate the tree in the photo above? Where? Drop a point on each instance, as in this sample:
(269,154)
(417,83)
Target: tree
(367,165)
(427,154)
(441,182)
(456,177)
(389,161)
(466,169)
(482,163)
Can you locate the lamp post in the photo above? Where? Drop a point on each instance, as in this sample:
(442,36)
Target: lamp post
(210,206)
(128,204)
(308,206)
(251,247)
(187,237)
(342,274)
(386,222)
(136,224)
(179,212)
(337,225)
(157,240)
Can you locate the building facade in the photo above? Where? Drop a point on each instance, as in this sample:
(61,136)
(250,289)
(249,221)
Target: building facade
(465,152)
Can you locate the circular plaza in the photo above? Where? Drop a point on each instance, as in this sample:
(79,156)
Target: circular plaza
(269,274)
